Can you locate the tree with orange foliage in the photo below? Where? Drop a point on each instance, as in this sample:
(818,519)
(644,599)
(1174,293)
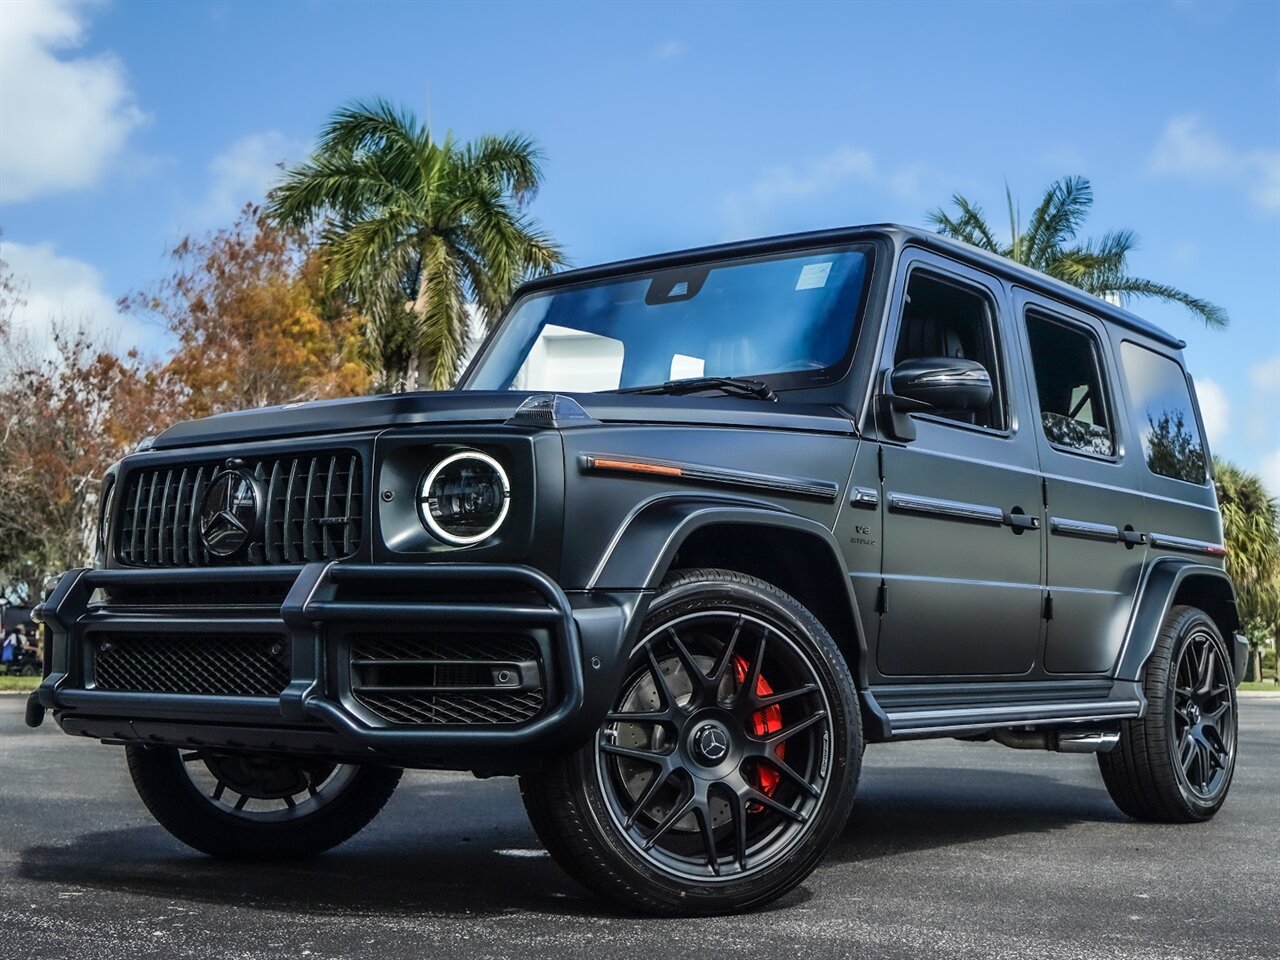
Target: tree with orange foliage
(252,321)
(64,418)
(252,326)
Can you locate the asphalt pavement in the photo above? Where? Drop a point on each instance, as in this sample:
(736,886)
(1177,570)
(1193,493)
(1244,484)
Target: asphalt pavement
(954,850)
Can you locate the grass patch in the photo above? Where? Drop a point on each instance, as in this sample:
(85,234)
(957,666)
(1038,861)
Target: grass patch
(18,684)
(1266,686)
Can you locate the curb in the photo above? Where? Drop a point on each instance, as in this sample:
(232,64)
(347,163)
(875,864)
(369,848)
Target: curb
(1258,695)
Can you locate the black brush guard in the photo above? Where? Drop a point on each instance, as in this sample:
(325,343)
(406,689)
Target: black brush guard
(315,711)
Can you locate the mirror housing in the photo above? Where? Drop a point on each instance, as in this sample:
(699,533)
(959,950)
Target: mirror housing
(946,383)
(931,383)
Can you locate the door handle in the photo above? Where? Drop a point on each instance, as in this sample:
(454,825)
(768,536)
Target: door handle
(1132,538)
(1020,521)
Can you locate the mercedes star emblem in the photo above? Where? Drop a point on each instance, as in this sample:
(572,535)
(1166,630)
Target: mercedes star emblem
(231,513)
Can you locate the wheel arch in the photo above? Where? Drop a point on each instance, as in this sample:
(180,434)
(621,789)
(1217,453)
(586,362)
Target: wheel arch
(1168,583)
(794,553)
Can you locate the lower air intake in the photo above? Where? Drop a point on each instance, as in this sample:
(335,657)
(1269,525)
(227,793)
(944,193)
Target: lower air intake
(200,665)
(448,680)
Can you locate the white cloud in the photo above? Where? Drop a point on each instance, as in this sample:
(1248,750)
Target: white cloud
(1215,410)
(66,293)
(670,50)
(1269,469)
(1266,375)
(63,118)
(780,185)
(1187,148)
(244,172)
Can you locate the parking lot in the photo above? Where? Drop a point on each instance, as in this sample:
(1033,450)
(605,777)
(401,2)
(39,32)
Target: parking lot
(954,850)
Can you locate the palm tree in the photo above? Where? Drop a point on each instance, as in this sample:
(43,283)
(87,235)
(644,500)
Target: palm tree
(1048,244)
(415,229)
(1251,524)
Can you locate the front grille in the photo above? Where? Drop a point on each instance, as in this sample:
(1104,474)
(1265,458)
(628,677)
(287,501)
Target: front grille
(249,665)
(448,680)
(313,511)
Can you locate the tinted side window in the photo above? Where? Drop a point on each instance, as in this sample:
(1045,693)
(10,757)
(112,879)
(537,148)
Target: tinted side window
(1166,417)
(943,319)
(1069,384)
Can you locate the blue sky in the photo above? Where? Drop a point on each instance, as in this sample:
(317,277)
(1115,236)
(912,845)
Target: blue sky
(124,126)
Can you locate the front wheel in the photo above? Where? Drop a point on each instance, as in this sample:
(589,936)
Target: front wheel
(728,764)
(1174,764)
(250,807)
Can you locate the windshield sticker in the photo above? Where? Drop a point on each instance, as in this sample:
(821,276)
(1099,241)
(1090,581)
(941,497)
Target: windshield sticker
(813,275)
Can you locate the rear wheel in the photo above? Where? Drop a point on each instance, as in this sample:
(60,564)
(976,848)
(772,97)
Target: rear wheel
(258,807)
(729,761)
(1175,764)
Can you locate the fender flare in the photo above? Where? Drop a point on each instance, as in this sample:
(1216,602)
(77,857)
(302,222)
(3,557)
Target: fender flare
(646,544)
(1163,579)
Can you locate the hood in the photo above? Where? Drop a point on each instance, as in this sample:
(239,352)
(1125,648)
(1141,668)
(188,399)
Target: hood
(475,406)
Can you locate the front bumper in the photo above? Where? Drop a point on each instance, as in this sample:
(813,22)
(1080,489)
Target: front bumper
(317,712)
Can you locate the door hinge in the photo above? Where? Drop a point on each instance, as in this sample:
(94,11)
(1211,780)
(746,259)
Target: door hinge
(882,598)
(1048,606)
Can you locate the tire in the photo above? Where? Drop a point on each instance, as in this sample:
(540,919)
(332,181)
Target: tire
(1174,764)
(727,789)
(284,808)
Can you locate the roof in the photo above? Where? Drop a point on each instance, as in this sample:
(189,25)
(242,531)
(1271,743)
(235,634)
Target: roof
(900,235)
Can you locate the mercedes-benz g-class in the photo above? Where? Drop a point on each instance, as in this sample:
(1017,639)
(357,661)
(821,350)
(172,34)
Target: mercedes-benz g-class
(691,532)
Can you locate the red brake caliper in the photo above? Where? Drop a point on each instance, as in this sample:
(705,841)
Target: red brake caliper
(769,720)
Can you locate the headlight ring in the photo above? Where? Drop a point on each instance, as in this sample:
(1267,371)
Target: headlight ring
(464,498)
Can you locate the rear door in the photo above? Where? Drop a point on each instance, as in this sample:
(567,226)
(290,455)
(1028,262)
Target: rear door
(961,568)
(1096,513)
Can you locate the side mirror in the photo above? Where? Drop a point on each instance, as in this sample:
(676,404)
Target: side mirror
(946,383)
(931,383)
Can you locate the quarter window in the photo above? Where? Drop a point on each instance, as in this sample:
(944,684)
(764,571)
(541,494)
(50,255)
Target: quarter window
(945,319)
(1069,386)
(1166,415)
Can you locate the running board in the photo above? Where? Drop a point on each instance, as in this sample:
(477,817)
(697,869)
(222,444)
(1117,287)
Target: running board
(901,724)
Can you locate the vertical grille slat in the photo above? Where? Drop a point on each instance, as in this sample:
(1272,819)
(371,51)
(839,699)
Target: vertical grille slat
(308,519)
(146,528)
(307,498)
(350,529)
(289,555)
(164,516)
(179,518)
(270,531)
(326,535)
(193,526)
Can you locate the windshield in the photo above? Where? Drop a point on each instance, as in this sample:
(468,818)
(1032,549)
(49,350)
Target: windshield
(792,315)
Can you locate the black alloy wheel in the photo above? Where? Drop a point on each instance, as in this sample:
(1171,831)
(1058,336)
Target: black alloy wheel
(258,806)
(727,765)
(716,754)
(1204,727)
(1174,764)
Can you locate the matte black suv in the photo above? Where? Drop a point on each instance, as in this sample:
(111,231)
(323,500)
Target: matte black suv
(693,530)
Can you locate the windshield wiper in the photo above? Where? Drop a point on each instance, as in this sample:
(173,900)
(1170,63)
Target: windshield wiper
(733,386)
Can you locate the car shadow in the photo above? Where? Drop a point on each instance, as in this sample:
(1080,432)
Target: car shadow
(391,872)
(914,809)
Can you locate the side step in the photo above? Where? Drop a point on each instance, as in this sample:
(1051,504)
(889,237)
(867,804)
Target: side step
(937,711)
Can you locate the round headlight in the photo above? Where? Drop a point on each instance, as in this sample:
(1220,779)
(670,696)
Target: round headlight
(465,497)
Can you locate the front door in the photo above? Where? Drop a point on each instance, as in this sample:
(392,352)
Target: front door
(962,504)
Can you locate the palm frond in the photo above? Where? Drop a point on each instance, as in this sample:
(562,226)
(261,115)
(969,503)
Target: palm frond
(970,226)
(375,126)
(1127,287)
(1015,228)
(512,162)
(442,319)
(1061,214)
